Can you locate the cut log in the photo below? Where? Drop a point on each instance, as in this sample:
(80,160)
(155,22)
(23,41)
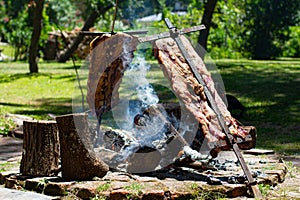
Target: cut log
(78,158)
(40,148)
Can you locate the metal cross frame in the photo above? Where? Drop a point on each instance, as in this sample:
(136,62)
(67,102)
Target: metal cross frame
(174,33)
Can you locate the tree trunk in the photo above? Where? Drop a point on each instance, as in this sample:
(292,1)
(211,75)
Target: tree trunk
(78,158)
(40,148)
(206,20)
(38,6)
(88,24)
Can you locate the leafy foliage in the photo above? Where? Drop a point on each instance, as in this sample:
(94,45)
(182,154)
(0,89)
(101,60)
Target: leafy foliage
(15,26)
(267,21)
(226,35)
(6,125)
(291,47)
(258,29)
(63,14)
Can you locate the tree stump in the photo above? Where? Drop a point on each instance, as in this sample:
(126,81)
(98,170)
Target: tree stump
(40,148)
(78,158)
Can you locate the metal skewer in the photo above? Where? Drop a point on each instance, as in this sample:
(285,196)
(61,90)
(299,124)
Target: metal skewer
(115,16)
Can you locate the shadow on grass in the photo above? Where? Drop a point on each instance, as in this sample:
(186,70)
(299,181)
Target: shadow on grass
(42,107)
(6,78)
(270,95)
(12,104)
(71,78)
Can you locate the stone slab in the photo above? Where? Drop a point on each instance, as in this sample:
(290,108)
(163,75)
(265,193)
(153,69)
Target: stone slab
(169,183)
(9,194)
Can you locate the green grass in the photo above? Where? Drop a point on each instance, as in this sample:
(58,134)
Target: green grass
(6,166)
(135,190)
(268,89)
(6,124)
(7,50)
(270,92)
(104,187)
(36,95)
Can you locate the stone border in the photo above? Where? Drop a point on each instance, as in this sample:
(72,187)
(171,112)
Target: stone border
(172,183)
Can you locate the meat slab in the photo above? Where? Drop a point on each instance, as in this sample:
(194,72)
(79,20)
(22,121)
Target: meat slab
(190,92)
(110,56)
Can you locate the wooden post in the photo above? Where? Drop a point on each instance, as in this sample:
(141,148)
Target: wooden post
(40,148)
(78,158)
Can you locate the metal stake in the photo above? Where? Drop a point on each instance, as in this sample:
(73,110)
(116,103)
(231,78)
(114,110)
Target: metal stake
(175,35)
(115,16)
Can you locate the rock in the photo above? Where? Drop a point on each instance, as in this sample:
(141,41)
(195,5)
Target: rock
(35,184)
(175,183)
(5,175)
(9,194)
(279,173)
(120,194)
(11,183)
(18,133)
(15,159)
(57,188)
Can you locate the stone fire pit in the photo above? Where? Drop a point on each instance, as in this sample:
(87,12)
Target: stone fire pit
(169,183)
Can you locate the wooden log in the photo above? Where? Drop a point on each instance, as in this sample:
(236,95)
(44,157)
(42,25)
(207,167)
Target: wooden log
(78,159)
(40,148)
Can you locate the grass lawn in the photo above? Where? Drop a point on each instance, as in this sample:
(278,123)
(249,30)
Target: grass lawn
(270,92)
(268,89)
(7,49)
(36,95)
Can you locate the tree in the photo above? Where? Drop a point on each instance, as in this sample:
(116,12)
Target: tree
(90,21)
(63,14)
(37,10)
(267,22)
(16,27)
(206,20)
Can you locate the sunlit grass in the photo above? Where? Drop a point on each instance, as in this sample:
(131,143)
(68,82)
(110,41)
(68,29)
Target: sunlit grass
(7,50)
(270,92)
(36,95)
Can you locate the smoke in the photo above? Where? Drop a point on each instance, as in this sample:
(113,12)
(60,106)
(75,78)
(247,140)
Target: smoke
(136,94)
(137,74)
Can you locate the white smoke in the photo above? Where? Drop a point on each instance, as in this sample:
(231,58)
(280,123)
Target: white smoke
(145,92)
(136,93)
